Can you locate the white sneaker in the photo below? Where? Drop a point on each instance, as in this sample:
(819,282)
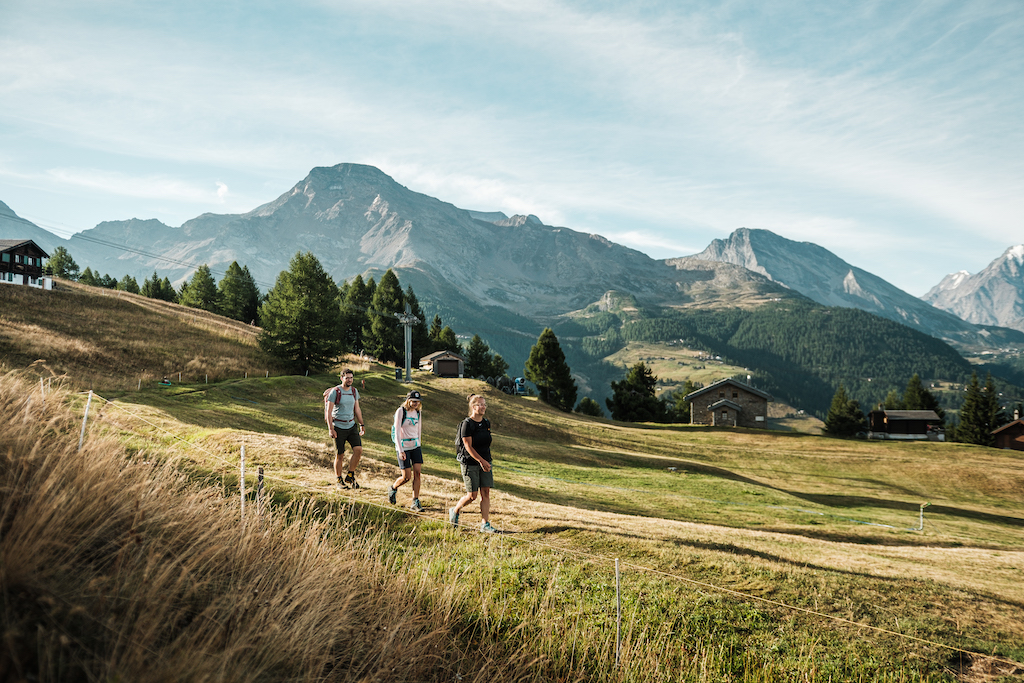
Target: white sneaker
(486,528)
(416,507)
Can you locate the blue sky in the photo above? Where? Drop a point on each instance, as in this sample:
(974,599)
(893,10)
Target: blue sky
(888,132)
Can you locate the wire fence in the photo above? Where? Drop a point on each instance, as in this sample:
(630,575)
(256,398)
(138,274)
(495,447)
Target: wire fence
(525,538)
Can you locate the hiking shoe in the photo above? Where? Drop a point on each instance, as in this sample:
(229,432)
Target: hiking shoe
(341,483)
(453,516)
(486,528)
(392,495)
(350,479)
(416,507)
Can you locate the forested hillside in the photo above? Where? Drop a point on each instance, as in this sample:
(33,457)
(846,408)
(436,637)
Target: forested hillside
(800,351)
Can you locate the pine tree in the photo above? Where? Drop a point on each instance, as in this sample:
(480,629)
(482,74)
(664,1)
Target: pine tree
(200,291)
(60,264)
(893,400)
(383,336)
(151,287)
(447,341)
(845,417)
(167,292)
(634,399)
(128,284)
(680,405)
(301,316)
(356,298)
(546,367)
(89,278)
(588,406)
(238,294)
(434,333)
(478,357)
(916,397)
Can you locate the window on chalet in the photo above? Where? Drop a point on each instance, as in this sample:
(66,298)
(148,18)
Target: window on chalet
(735,394)
(5,257)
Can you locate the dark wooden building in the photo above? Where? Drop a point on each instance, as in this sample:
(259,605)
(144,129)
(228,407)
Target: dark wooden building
(21,263)
(905,424)
(1010,436)
(729,403)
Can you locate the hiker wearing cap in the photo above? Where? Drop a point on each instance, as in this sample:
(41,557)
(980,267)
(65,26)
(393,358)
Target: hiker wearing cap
(474,454)
(405,432)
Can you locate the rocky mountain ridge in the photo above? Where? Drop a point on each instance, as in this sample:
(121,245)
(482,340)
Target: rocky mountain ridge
(994,296)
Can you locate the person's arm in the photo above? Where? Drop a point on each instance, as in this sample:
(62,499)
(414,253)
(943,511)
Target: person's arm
(327,417)
(359,416)
(398,434)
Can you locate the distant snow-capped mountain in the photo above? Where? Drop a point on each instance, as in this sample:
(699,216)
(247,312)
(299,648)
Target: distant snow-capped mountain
(995,296)
(822,276)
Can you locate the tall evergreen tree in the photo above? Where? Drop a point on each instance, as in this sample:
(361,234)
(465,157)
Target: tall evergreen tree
(60,264)
(200,291)
(680,405)
(447,341)
(301,317)
(588,406)
(107,282)
(89,278)
(916,397)
(980,413)
(893,400)
(434,333)
(845,417)
(383,337)
(478,357)
(355,302)
(151,287)
(498,366)
(239,296)
(546,367)
(128,284)
(167,292)
(634,399)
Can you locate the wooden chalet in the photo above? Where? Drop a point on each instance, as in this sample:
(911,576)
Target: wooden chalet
(729,403)
(21,263)
(905,425)
(444,364)
(1010,436)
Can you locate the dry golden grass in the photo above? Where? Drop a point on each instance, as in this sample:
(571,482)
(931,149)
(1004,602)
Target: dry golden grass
(115,568)
(106,339)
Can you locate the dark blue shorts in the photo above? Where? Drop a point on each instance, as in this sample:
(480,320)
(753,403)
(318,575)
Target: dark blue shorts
(413,457)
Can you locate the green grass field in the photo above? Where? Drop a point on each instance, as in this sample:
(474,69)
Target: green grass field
(743,555)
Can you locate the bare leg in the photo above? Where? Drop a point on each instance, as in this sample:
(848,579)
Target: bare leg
(353,463)
(416,469)
(485,503)
(404,477)
(464,501)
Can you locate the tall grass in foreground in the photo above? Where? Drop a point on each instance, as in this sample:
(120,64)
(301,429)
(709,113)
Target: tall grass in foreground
(116,569)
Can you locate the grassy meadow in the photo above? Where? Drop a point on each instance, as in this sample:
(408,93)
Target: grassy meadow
(743,555)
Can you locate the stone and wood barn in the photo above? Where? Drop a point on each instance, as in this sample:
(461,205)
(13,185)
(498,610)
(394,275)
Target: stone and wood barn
(21,263)
(729,403)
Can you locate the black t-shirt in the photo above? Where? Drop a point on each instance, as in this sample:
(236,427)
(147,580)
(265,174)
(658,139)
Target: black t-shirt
(480,433)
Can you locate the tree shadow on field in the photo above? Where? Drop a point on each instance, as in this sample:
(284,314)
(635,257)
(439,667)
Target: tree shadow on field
(838,501)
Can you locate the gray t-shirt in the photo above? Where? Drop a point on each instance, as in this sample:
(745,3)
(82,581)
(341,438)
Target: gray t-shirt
(344,401)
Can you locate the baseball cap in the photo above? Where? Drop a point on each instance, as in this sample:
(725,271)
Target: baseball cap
(415,395)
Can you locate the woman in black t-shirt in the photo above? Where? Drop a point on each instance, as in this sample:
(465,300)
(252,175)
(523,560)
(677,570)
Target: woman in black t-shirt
(475,457)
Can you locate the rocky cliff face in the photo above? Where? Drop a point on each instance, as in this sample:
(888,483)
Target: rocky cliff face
(995,296)
(822,276)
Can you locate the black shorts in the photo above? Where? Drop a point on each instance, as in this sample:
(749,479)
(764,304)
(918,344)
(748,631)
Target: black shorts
(413,457)
(351,435)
